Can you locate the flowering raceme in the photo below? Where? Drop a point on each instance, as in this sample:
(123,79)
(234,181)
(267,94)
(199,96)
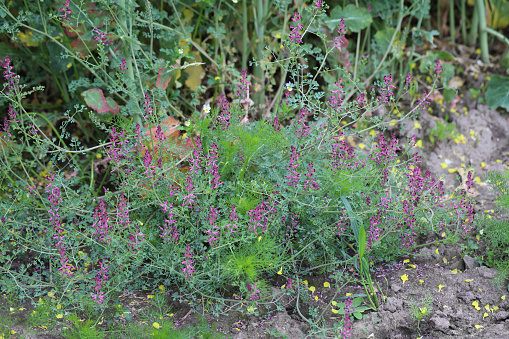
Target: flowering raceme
(295,36)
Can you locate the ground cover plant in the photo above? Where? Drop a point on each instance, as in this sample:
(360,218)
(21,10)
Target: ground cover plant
(150,180)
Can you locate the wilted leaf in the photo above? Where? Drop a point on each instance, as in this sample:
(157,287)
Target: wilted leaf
(355,18)
(94,98)
(79,47)
(112,105)
(195,73)
(497,94)
(163,77)
(28,39)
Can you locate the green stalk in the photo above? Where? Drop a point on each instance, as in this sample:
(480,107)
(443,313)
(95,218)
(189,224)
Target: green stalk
(463,21)
(483,34)
(439,21)
(451,21)
(258,72)
(474,27)
(245,54)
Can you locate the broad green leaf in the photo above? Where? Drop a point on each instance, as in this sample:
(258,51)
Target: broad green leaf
(497,94)
(357,315)
(355,18)
(383,39)
(357,301)
(94,98)
(56,62)
(418,34)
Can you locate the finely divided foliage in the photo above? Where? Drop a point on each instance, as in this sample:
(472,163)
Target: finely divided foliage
(228,205)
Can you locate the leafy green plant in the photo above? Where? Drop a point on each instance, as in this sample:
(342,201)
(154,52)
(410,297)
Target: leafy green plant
(441,131)
(420,309)
(81,329)
(356,305)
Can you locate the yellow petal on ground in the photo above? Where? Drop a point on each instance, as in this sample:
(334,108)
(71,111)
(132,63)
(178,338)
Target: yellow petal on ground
(444,260)
(413,266)
(502,297)
(452,170)
(60,316)
(316,297)
(361,146)
(280,272)
(443,234)
(436,251)
(421,281)
(418,143)
(440,287)
(156,325)
(475,303)
(417,125)
(478,326)
(483,164)
(326,284)
(406,261)
(404,277)
(305,282)
(334,303)
(487,307)
(334,310)
(469,280)
(485,315)
(161,287)
(444,165)
(348,294)
(312,288)
(454,271)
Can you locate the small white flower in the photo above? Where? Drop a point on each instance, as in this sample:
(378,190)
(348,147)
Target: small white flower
(235,1)
(181,51)
(481,231)
(187,123)
(206,108)
(289,86)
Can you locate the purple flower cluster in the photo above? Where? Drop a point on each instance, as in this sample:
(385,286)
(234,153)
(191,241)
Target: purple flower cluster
(386,152)
(188,199)
(340,41)
(258,217)
(7,127)
(303,130)
(224,117)
(294,176)
(101,223)
(408,79)
(295,36)
(189,269)
(66,11)
(123,66)
(233,219)
(243,86)
(438,68)
(212,167)
(277,126)
(55,199)
(255,293)
(147,106)
(343,156)
(196,159)
(213,231)
(169,223)
(100,278)
(386,92)
(347,326)
(335,100)
(123,215)
(10,77)
(118,149)
(310,181)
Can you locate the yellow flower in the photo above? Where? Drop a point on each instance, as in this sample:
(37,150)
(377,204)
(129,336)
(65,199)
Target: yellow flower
(280,272)
(485,315)
(98,155)
(436,251)
(421,281)
(326,284)
(312,288)
(348,294)
(334,310)
(334,303)
(361,145)
(316,297)
(251,309)
(502,297)
(156,325)
(150,296)
(404,277)
(305,282)
(60,316)
(469,280)
(412,266)
(417,125)
(423,310)
(418,143)
(161,287)
(440,287)
(406,261)
(454,271)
